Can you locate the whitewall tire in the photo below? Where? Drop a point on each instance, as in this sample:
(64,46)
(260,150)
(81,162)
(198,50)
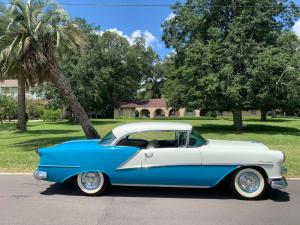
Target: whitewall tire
(248,183)
(91,183)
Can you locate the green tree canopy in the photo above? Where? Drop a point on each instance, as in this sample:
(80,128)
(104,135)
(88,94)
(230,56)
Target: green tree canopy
(217,44)
(111,71)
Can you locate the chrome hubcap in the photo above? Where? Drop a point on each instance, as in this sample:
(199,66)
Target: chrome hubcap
(90,180)
(249,182)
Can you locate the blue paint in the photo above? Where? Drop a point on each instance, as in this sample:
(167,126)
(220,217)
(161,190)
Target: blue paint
(89,156)
(71,158)
(186,175)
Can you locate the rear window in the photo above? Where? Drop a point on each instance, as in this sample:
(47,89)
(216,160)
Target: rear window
(108,139)
(196,140)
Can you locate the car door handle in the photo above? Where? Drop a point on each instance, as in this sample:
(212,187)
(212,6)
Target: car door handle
(149,155)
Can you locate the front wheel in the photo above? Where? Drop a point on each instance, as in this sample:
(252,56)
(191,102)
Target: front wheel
(248,183)
(91,183)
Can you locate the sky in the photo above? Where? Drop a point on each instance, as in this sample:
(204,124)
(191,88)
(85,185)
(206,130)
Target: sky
(131,22)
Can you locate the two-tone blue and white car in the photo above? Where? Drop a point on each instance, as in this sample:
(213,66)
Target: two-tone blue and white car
(162,154)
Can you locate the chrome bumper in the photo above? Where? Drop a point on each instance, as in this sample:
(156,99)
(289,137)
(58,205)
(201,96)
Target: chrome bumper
(40,175)
(279,183)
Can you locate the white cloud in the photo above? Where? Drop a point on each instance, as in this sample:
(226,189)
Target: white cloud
(136,34)
(171,16)
(150,39)
(296,28)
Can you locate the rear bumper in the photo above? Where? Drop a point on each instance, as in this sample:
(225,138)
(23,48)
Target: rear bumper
(278,183)
(40,175)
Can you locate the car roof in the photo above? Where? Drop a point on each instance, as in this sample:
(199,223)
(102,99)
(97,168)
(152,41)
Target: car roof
(149,126)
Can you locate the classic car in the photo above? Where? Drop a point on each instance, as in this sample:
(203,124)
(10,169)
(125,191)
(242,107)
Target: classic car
(163,154)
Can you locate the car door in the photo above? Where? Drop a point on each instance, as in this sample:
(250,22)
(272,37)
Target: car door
(179,166)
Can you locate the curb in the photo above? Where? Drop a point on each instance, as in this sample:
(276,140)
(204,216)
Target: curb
(16,173)
(292,178)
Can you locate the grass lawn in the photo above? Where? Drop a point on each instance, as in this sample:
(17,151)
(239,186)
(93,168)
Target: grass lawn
(17,149)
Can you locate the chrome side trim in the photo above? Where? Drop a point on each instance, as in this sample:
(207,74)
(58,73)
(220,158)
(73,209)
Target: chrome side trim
(178,165)
(59,166)
(160,185)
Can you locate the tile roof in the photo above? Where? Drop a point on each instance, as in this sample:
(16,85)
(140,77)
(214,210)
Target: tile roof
(151,103)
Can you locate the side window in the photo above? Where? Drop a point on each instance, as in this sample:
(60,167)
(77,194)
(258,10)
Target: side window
(181,138)
(156,139)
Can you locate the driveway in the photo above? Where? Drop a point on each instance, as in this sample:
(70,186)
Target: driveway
(26,201)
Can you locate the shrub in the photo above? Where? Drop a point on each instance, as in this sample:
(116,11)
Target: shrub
(8,107)
(51,115)
(211,114)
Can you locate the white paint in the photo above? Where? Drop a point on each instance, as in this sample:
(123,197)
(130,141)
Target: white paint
(243,153)
(129,128)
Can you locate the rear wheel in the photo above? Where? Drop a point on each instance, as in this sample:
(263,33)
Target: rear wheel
(91,183)
(248,183)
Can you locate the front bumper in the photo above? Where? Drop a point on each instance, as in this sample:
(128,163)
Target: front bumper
(40,175)
(279,183)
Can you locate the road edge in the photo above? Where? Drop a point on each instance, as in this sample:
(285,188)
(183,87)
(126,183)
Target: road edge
(290,178)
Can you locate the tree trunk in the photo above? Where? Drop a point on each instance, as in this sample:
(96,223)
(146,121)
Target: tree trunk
(65,90)
(237,119)
(21,124)
(263,116)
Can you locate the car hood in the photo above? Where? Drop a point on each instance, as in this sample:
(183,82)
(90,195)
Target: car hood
(236,145)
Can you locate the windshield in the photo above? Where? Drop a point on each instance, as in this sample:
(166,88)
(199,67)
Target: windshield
(196,139)
(108,139)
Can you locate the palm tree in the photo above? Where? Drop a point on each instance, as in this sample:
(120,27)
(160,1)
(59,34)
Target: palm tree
(34,35)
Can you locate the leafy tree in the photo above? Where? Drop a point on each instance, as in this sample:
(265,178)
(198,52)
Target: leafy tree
(34,36)
(152,84)
(110,72)
(216,45)
(276,72)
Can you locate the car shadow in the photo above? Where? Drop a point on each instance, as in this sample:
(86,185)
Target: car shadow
(219,192)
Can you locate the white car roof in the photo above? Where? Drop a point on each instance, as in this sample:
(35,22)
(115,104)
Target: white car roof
(149,126)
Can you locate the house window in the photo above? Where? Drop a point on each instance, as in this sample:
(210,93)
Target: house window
(5,90)
(14,90)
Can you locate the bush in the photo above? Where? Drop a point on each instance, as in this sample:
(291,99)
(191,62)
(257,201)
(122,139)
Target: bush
(211,114)
(34,109)
(51,115)
(8,107)
(185,118)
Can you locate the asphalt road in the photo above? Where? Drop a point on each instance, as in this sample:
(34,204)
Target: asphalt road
(26,201)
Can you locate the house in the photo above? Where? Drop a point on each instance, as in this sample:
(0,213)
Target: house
(151,109)
(10,88)
(158,108)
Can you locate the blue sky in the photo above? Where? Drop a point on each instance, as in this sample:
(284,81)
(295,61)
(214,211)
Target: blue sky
(130,21)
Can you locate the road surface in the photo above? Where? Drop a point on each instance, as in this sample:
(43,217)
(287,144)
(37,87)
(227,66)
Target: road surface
(25,201)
